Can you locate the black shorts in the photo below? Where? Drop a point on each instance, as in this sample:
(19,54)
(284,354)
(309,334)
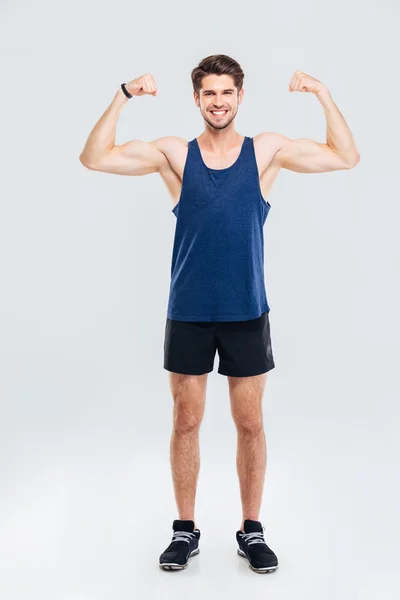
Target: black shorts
(244,347)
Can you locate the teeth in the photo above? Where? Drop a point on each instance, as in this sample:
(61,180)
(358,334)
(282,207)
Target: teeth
(219,112)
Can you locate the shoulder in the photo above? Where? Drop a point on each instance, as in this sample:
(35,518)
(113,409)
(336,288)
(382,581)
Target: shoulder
(174,149)
(267,145)
(170,143)
(269,140)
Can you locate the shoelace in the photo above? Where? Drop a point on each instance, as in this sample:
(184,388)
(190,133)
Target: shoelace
(182,536)
(255,537)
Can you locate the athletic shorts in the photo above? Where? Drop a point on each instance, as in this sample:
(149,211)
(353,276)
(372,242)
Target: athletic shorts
(244,347)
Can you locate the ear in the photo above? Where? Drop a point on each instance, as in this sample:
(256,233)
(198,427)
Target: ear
(240,96)
(196,98)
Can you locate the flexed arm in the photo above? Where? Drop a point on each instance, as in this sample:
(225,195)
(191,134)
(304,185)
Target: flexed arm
(132,158)
(308,156)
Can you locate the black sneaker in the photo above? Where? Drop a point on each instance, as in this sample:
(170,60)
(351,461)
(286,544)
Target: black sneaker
(185,544)
(253,547)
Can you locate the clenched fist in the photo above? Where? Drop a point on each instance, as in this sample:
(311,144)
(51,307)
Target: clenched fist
(301,82)
(142,85)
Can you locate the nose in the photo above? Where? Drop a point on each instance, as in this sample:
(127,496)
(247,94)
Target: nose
(218,105)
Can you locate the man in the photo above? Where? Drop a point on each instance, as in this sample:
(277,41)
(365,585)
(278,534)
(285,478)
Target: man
(219,183)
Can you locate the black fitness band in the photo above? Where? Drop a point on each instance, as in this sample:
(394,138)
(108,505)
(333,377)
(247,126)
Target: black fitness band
(127,94)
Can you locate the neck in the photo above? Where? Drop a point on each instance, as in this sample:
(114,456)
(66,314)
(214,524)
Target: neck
(219,142)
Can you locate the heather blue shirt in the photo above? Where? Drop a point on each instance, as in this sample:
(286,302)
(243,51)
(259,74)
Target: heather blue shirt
(217,268)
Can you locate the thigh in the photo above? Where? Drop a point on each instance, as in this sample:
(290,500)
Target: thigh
(189,394)
(189,347)
(244,347)
(246,394)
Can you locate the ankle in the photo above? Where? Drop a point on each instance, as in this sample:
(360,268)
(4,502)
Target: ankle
(188,519)
(242,524)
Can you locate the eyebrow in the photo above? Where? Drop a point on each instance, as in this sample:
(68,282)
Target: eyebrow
(227,90)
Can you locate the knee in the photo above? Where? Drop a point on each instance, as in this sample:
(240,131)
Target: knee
(184,426)
(186,421)
(249,427)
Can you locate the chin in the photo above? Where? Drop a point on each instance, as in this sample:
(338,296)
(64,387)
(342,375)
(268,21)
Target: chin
(219,125)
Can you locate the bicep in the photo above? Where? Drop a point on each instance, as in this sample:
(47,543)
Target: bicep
(307,156)
(132,158)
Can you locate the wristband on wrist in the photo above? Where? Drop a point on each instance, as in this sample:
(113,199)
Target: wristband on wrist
(127,94)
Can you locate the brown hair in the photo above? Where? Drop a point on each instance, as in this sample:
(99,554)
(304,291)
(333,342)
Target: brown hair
(217,64)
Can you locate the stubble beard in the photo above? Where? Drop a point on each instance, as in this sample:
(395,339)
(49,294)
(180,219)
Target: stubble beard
(215,125)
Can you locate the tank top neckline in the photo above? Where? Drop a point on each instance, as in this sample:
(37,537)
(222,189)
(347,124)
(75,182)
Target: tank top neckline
(226,168)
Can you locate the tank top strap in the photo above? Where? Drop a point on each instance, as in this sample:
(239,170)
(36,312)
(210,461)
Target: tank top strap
(249,152)
(245,153)
(194,151)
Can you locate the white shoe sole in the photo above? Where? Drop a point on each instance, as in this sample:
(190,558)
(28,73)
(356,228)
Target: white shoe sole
(175,566)
(261,570)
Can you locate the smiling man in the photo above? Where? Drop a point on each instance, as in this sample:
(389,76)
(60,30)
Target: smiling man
(219,183)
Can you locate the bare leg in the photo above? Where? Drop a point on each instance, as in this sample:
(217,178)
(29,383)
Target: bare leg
(189,395)
(246,395)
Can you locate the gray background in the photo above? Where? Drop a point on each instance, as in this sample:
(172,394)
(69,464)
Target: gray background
(86,496)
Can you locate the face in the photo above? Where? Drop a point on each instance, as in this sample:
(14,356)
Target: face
(218,93)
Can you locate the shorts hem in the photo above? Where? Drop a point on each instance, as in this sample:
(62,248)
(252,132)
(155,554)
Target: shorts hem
(253,374)
(185,372)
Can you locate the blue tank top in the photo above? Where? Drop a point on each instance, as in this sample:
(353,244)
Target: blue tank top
(217,268)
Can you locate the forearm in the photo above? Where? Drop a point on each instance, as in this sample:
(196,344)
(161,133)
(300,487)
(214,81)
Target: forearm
(338,134)
(102,136)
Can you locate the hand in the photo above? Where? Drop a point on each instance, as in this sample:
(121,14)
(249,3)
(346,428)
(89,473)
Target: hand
(301,82)
(142,85)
